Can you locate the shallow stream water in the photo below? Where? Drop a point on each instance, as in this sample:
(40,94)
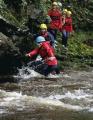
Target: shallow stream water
(69,97)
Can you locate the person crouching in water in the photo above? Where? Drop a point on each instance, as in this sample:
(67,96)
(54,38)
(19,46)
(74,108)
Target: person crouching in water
(45,50)
(44,33)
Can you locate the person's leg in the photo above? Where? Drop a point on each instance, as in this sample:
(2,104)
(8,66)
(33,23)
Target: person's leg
(52,40)
(47,70)
(38,66)
(51,68)
(64,37)
(55,35)
(53,32)
(57,70)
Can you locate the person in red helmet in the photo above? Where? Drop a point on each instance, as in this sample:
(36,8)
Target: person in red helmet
(47,53)
(56,19)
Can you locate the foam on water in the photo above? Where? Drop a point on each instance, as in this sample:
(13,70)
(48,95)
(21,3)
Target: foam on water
(77,94)
(20,102)
(71,100)
(91,110)
(2,111)
(26,73)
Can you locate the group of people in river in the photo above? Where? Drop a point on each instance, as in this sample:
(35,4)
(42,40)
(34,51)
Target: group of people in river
(47,36)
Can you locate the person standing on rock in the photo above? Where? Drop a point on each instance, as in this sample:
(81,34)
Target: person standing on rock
(67,28)
(45,50)
(47,35)
(56,19)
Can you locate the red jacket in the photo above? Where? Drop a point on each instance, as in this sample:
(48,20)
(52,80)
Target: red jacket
(46,52)
(68,24)
(56,18)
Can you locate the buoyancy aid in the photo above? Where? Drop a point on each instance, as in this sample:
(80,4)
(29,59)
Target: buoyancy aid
(46,52)
(68,24)
(56,18)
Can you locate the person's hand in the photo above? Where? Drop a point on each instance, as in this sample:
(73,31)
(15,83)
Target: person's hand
(51,58)
(27,55)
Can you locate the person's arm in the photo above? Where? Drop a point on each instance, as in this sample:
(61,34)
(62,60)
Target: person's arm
(49,50)
(50,53)
(63,20)
(33,52)
(51,38)
(60,27)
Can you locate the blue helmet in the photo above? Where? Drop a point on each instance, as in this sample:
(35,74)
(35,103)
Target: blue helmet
(40,39)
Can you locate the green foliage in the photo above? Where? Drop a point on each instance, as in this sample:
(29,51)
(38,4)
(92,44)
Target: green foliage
(82,16)
(15,4)
(79,55)
(7,15)
(77,47)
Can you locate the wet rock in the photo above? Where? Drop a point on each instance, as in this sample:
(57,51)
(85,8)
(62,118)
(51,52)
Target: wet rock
(8,78)
(7,28)
(8,54)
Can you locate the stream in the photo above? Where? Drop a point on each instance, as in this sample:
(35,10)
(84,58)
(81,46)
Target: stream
(69,97)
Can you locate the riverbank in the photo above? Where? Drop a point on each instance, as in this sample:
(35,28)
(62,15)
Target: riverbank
(79,55)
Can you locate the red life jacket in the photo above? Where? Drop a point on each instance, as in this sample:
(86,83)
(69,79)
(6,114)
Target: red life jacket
(46,52)
(56,18)
(68,24)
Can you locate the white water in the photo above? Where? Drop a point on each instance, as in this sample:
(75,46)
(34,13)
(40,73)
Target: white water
(76,100)
(27,73)
(77,94)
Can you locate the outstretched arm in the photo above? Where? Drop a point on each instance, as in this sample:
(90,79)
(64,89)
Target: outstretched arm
(33,52)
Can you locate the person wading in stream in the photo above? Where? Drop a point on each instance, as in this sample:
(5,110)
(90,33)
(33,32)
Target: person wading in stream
(46,51)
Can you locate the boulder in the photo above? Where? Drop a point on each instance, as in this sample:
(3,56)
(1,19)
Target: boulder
(9,55)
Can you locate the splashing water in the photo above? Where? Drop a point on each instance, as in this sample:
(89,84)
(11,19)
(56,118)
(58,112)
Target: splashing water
(78,94)
(26,73)
(71,96)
